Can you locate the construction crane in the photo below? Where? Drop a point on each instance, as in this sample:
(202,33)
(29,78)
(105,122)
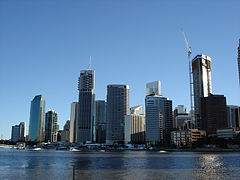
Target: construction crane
(190,80)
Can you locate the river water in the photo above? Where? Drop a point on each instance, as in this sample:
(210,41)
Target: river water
(25,164)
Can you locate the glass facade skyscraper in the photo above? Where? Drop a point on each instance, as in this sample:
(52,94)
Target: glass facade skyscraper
(117,108)
(86,106)
(153,88)
(158,119)
(100,121)
(36,122)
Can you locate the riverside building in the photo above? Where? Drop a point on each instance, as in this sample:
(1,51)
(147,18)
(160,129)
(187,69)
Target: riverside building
(135,126)
(117,108)
(51,126)
(36,122)
(202,83)
(86,106)
(158,119)
(100,123)
(73,122)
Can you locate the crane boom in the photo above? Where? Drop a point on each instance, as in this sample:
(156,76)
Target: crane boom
(190,78)
(185,39)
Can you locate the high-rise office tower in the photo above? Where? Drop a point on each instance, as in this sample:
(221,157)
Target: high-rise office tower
(135,126)
(22,131)
(202,83)
(51,126)
(36,123)
(100,123)
(86,106)
(15,133)
(158,119)
(233,116)
(73,122)
(239,61)
(213,113)
(117,108)
(153,88)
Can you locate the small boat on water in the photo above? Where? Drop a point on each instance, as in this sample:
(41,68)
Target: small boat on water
(37,149)
(74,149)
(162,151)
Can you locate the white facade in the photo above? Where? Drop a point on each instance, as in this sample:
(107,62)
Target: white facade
(73,122)
(135,127)
(153,88)
(202,81)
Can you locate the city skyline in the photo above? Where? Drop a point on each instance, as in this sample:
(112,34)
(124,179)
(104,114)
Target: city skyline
(136,55)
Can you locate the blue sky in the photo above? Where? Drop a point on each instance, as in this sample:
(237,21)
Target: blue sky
(44,45)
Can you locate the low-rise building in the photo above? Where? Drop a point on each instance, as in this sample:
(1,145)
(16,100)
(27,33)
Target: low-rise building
(229,133)
(186,137)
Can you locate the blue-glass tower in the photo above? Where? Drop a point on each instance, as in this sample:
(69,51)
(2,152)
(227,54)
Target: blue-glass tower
(36,122)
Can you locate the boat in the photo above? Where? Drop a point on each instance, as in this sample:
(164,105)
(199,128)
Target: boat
(37,149)
(74,149)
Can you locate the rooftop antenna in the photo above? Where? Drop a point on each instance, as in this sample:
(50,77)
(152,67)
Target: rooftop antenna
(89,67)
(190,77)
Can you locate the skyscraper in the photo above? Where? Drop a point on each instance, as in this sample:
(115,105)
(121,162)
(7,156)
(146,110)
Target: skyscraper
(15,133)
(213,113)
(36,122)
(73,122)
(158,119)
(22,131)
(239,61)
(100,123)
(202,83)
(117,108)
(153,88)
(86,106)
(51,126)
(135,126)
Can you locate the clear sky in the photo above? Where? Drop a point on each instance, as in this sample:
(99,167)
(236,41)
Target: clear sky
(44,45)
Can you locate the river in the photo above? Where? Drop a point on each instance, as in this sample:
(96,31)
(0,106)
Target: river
(51,164)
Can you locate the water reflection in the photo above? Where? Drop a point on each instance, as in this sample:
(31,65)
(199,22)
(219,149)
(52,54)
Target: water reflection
(118,165)
(210,166)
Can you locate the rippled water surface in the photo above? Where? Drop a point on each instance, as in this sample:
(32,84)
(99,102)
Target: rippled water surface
(23,164)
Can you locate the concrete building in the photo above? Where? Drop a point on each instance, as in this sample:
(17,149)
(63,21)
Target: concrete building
(158,119)
(153,88)
(51,126)
(117,108)
(233,116)
(37,117)
(100,122)
(73,122)
(135,126)
(202,82)
(187,137)
(213,113)
(66,132)
(86,106)
(228,133)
